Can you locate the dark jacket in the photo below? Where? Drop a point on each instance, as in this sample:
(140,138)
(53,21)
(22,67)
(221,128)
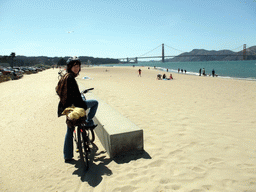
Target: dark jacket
(73,95)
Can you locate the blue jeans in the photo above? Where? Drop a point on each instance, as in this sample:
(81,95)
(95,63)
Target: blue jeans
(68,143)
(93,106)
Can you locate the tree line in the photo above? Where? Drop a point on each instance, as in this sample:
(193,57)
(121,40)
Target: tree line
(14,60)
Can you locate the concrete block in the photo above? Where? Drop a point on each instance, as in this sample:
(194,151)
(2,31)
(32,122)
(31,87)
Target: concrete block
(116,133)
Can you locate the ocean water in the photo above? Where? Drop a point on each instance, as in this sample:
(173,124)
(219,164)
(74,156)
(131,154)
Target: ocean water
(244,70)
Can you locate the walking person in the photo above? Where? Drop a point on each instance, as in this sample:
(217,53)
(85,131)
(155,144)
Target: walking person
(204,72)
(139,72)
(213,73)
(69,94)
(200,72)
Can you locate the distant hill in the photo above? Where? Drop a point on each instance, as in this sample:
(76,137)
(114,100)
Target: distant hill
(222,55)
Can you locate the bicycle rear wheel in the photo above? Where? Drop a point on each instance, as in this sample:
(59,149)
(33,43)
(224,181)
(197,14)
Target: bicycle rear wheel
(83,147)
(76,140)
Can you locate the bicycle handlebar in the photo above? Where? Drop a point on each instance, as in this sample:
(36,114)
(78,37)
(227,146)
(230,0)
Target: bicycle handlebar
(86,90)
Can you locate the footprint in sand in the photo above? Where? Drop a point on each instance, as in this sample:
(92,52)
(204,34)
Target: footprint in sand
(156,163)
(164,181)
(213,161)
(125,188)
(245,166)
(252,182)
(228,182)
(207,187)
(175,152)
(135,182)
(172,187)
(198,170)
(196,190)
(131,175)
(175,187)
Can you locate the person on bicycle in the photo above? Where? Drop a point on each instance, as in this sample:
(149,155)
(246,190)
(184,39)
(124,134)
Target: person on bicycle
(69,94)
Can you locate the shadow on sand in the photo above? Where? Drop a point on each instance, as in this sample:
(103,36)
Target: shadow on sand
(98,164)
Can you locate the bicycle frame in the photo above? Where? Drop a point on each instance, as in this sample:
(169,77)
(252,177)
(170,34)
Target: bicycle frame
(82,137)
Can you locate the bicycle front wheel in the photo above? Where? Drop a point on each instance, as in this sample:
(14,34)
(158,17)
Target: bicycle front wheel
(91,135)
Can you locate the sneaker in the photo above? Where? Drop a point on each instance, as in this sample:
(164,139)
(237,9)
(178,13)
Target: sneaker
(90,124)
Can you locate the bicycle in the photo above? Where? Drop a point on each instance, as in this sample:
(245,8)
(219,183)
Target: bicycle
(84,136)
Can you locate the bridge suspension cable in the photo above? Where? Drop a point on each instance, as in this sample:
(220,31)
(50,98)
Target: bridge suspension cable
(240,48)
(174,48)
(149,51)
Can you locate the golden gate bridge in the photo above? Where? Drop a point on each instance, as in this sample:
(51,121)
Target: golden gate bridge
(163,56)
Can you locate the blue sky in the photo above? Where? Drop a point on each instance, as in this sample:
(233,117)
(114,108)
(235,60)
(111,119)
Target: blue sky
(124,28)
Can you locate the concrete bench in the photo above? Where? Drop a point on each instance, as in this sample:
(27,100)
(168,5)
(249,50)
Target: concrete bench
(116,133)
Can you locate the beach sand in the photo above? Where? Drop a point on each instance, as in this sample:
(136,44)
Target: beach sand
(199,134)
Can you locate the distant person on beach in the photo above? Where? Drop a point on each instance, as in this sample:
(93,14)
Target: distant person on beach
(164,76)
(213,73)
(69,94)
(139,72)
(200,70)
(178,70)
(204,72)
(171,78)
(159,76)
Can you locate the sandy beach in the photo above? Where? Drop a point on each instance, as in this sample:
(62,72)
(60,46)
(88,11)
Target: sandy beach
(199,134)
